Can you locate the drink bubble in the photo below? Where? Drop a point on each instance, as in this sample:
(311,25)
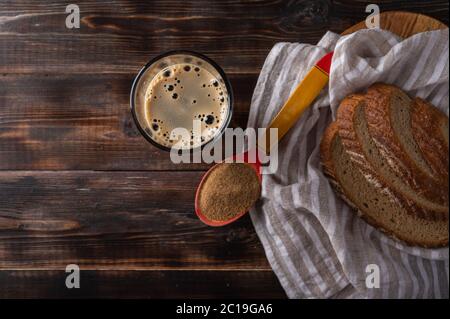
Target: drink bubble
(209,119)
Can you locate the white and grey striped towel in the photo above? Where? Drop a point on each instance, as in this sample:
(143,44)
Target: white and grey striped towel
(316,245)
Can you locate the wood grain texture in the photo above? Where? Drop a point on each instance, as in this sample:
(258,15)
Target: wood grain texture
(83,122)
(120,220)
(142,284)
(78,184)
(121,36)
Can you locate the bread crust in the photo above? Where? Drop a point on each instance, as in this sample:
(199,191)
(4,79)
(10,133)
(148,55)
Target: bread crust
(352,143)
(379,117)
(427,124)
(330,134)
(325,146)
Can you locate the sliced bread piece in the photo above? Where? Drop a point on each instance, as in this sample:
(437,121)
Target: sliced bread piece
(367,158)
(430,130)
(373,200)
(388,116)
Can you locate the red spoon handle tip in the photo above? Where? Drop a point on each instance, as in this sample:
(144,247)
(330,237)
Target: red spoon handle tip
(325,63)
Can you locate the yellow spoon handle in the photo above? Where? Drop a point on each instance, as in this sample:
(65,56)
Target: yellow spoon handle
(302,97)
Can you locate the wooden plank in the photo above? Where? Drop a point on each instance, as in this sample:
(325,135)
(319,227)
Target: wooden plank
(115,221)
(145,284)
(120,36)
(265,8)
(84,122)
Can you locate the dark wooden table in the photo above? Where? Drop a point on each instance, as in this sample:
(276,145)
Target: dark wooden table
(78,184)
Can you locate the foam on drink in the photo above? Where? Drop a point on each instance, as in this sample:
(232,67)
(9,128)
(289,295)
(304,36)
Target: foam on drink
(180,94)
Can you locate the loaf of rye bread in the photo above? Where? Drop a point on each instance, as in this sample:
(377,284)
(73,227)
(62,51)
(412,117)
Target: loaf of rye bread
(377,157)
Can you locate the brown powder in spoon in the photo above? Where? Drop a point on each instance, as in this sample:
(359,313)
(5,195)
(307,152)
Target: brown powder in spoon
(228,190)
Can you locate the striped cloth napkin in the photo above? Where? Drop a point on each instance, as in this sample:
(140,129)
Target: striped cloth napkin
(316,245)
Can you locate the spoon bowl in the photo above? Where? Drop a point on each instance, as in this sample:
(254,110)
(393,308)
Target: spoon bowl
(243,158)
